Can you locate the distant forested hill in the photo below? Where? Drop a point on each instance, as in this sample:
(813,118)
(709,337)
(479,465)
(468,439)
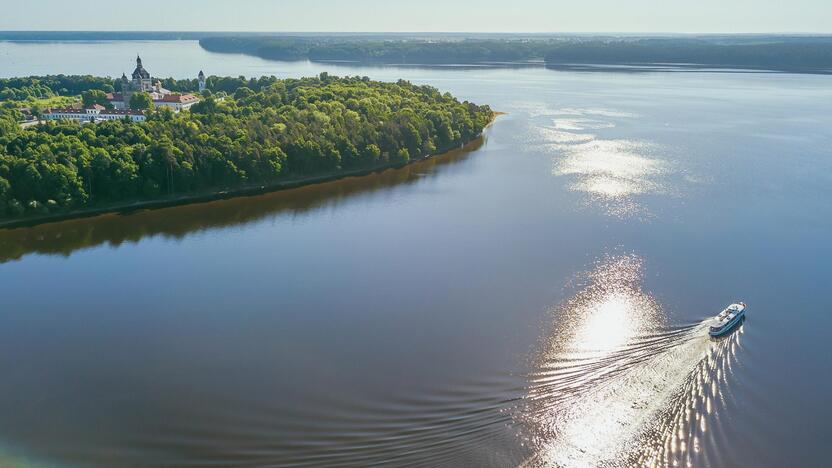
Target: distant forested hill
(794,53)
(806,55)
(812,54)
(366,50)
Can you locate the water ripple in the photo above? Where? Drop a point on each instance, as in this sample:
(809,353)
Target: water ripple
(614,386)
(611,173)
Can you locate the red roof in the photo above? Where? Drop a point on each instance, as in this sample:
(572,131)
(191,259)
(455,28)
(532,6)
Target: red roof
(180,98)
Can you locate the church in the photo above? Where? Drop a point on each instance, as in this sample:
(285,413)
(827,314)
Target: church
(141,81)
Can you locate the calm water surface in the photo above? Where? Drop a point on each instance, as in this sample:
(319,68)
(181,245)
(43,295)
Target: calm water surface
(536,299)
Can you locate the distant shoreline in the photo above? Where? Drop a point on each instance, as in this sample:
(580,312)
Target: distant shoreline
(660,67)
(791,54)
(586,52)
(173,35)
(225,193)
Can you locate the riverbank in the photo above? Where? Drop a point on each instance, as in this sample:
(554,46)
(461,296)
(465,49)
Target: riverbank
(228,192)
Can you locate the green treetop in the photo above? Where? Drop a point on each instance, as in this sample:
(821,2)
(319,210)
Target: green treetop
(141,101)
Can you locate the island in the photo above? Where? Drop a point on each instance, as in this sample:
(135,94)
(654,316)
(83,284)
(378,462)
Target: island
(241,135)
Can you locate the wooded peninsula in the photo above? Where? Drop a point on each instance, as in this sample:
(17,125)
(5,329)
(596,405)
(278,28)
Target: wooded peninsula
(243,133)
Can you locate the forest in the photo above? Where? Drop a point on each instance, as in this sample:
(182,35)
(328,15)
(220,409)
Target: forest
(808,55)
(371,50)
(264,131)
(811,54)
(40,87)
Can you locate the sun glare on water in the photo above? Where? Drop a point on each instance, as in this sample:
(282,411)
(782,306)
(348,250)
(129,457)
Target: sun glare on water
(610,310)
(611,173)
(609,325)
(615,386)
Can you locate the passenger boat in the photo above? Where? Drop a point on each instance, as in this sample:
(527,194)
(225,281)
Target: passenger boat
(725,321)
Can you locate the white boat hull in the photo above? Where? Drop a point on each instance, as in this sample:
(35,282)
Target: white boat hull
(726,327)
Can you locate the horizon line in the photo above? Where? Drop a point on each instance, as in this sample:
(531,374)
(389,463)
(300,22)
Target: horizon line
(195,31)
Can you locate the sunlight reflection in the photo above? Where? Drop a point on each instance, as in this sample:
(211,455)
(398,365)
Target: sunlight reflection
(610,171)
(595,112)
(580,124)
(615,386)
(558,137)
(611,309)
(609,325)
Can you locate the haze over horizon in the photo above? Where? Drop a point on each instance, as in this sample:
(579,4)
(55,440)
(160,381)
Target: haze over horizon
(520,16)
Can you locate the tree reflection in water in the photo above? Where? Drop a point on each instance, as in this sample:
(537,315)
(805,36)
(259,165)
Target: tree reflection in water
(66,237)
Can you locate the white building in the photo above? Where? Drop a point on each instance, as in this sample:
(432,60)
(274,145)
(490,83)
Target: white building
(177,102)
(161,98)
(96,113)
(142,82)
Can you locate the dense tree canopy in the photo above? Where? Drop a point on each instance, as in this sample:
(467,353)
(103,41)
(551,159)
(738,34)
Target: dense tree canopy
(21,89)
(41,87)
(95,96)
(808,55)
(775,52)
(382,51)
(269,131)
(141,101)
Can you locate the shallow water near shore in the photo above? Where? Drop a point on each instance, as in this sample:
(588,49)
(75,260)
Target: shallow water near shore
(537,300)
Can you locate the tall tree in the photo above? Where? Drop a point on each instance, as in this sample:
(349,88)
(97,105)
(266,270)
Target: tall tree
(141,101)
(95,96)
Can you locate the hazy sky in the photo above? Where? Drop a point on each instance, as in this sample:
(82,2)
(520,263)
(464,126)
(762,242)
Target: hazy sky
(422,15)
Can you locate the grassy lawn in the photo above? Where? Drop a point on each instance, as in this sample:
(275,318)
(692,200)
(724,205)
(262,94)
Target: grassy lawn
(42,103)
(56,101)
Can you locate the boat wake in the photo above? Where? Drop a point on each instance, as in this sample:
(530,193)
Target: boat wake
(645,400)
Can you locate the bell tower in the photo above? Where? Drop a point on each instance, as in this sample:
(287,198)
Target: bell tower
(201,78)
(126,92)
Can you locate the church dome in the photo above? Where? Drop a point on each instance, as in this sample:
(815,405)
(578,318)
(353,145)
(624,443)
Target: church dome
(140,72)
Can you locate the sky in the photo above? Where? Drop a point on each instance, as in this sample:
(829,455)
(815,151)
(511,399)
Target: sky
(673,16)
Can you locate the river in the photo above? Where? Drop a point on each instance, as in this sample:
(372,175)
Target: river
(537,299)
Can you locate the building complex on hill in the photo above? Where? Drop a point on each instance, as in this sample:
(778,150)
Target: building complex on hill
(140,82)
